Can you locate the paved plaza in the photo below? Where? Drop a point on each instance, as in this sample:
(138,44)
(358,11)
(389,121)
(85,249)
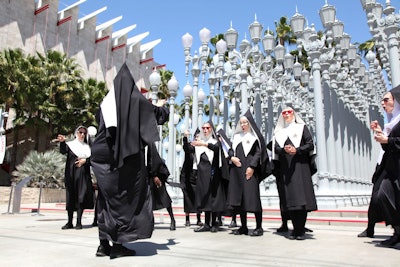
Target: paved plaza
(29,239)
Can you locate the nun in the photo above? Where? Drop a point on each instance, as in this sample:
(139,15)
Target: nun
(293,148)
(78,181)
(127,125)
(248,155)
(388,170)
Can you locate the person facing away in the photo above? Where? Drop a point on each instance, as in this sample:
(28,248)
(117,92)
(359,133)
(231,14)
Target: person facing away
(78,181)
(209,194)
(248,154)
(126,126)
(388,170)
(188,180)
(293,147)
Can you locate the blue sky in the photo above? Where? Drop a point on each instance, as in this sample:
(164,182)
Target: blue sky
(169,20)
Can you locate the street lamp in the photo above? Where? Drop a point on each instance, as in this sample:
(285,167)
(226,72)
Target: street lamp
(187,93)
(384,30)
(199,66)
(173,86)
(155,81)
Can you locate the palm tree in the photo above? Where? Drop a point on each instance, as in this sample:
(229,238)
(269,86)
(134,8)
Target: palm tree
(284,33)
(15,87)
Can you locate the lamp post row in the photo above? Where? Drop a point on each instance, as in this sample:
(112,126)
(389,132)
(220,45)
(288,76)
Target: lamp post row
(338,90)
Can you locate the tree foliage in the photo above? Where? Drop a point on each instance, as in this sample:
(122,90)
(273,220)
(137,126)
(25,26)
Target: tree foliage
(46,168)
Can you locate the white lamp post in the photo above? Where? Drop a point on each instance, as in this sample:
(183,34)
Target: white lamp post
(173,86)
(155,81)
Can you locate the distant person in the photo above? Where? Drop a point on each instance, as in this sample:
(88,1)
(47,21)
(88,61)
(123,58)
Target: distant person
(78,182)
(293,148)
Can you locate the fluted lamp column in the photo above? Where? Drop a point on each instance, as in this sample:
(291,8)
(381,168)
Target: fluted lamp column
(187,93)
(173,86)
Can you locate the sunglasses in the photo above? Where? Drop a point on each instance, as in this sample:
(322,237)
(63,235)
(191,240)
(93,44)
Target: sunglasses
(206,127)
(82,132)
(287,112)
(386,99)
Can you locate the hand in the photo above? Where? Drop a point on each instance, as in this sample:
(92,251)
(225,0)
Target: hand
(80,162)
(198,143)
(236,161)
(186,133)
(161,102)
(291,150)
(60,138)
(380,137)
(249,173)
(157,182)
(375,126)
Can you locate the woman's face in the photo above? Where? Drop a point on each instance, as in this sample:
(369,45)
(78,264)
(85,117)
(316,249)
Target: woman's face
(244,124)
(288,114)
(388,103)
(206,129)
(81,134)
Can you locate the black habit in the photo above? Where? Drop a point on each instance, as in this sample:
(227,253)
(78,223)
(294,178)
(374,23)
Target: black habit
(125,211)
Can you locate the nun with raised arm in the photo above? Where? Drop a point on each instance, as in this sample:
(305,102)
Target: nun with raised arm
(249,157)
(78,181)
(293,148)
(209,192)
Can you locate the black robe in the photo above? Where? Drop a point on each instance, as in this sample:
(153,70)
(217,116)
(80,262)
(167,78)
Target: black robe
(78,182)
(209,195)
(188,179)
(157,167)
(294,174)
(125,211)
(388,174)
(243,194)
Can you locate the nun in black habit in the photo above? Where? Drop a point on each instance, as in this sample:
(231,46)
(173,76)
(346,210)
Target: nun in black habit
(78,182)
(188,180)
(126,126)
(158,174)
(293,147)
(249,158)
(388,171)
(210,197)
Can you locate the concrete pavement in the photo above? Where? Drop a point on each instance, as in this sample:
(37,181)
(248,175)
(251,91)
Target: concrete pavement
(28,239)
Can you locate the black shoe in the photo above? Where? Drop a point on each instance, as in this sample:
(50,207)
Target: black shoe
(366,233)
(292,235)
(282,229)
(241,231)
(94,224)
(220,223)
(308,230)
(257,232)
(118,251)
(233,224)
(78,226)
(393,240)
(103,251)
(204,228)
(187,223)
(300,237)
(67,226)
(214,228)
(199,223)
(172,227)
